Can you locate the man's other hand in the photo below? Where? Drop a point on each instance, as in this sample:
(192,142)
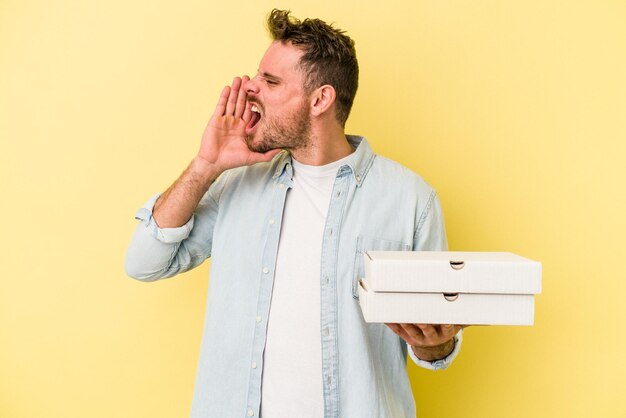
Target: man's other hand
(429,342)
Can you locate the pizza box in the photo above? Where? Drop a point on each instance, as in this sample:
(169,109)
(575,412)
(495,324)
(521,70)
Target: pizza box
(447,287)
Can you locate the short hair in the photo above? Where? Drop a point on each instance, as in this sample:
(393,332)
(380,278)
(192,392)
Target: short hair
(328,56)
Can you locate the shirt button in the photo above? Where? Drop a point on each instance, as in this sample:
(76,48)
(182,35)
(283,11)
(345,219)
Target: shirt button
(254,364)
(272,221)
(280,185)
(358,178)
(266,270)
(250,412)
(338,194)
(326,331)
(258,318)
(326,279)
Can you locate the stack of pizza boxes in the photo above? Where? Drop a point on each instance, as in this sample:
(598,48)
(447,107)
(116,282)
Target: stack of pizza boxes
(441,287)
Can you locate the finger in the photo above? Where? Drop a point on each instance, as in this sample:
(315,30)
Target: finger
(429,331)
(396,328)
(454,329)
(247,113)
(414,334)
(232,97)
(264,157)
(240,107)
(458,328)
(272,153)
(221,103)
(401,332)
(447,331)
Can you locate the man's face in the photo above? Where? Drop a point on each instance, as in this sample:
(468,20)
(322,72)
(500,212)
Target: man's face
(280,117)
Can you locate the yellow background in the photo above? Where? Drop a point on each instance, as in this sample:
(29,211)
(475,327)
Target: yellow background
(514,111)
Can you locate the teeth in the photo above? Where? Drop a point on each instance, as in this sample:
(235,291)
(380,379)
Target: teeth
(255,109)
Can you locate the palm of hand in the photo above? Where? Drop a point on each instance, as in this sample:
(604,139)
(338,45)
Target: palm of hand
(224,141)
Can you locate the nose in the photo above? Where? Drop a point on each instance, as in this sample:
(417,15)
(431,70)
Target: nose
(251,87)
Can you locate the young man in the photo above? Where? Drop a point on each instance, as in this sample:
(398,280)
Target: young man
(285,204)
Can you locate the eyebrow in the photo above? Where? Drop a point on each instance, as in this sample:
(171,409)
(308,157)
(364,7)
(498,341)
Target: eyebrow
(268,75)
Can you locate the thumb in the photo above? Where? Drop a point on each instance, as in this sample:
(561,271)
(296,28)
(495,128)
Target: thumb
(259,157)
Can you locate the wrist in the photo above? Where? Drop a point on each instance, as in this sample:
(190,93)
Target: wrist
(205,171)
(436,352)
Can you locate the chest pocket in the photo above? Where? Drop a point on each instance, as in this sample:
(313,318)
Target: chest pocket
(364,244)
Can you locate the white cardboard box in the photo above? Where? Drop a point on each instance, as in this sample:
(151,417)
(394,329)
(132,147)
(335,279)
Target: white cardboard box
(441,287)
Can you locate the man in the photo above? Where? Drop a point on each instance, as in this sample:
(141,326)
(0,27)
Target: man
(285,204)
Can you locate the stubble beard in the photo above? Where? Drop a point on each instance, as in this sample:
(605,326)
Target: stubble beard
(294,133)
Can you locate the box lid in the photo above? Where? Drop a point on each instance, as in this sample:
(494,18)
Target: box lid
(451,272)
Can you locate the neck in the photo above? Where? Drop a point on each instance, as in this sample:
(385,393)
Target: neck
(325,147)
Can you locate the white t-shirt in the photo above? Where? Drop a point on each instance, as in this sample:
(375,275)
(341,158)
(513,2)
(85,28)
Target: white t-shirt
(292,369)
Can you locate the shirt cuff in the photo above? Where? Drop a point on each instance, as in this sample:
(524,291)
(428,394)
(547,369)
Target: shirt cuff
(165,235)
(443,363)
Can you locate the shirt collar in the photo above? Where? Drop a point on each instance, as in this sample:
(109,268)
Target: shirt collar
(361,159)
(358,164)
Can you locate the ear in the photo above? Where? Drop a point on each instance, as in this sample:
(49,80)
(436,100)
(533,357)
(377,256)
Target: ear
(322,99)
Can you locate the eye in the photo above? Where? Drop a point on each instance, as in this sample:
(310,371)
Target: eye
(271,82)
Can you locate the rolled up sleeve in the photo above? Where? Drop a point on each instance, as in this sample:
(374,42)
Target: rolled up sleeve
(165,235)
(156,253)
(443,363)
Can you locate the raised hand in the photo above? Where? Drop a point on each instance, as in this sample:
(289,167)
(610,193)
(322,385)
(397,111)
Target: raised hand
(223,146)
(224,140)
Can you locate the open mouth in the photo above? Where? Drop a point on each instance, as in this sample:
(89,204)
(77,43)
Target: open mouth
(254,120)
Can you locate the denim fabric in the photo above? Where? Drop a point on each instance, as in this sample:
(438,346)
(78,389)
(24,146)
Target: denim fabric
(376,204)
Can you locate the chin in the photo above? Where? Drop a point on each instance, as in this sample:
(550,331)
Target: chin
(256,146)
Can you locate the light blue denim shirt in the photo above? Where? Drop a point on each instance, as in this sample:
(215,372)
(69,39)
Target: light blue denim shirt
(376,204)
